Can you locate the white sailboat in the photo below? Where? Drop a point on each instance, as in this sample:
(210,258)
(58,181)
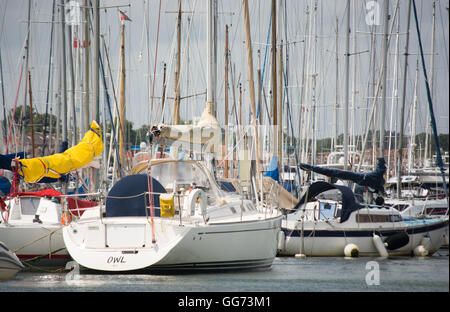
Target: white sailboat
(192,224)
(187,223)
(329,222)
(31,222)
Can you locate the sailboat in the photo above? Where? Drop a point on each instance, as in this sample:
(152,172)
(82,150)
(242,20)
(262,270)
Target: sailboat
(329,221)
(31,222)
(170,214)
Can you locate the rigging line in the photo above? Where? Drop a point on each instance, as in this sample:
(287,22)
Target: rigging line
(105,87)
(48,80)
(4,20)
(167,83)
(430,105)
(156,58)
(182,60)
(443,35)
(5,121)
(14,110)
(109,104)
(286,94)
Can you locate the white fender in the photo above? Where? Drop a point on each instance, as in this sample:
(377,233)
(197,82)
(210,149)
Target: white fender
(426,242)
(189,202)
(351,250)
(379,245)
(420,251)
(281,241)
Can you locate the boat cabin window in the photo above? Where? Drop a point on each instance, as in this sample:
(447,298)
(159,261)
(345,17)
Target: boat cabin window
(400,207)
(327,210)
(366,218)
(183,173)
(436,211)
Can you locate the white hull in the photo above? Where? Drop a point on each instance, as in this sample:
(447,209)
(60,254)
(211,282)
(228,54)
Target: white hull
(331,240)
(125,244)
(32,229)
(36,241)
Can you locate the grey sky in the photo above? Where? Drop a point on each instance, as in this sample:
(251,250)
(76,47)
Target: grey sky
(193,74)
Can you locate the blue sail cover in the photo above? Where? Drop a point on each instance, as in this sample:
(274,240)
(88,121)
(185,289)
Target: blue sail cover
(5,160)
(126,198)
(374,179)
(273,169)
(5,186)
(349,203)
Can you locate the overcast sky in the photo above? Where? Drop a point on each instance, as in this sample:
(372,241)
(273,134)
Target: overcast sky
(321,61)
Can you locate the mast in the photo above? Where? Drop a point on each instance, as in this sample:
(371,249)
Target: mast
(211,65)
(353,112)
(225,158)
(27,48)
(63,71)
(313,86)
(96,47)
(346,101)
(301,134)
(248,42)
(274,77)
(72,88)
(163,98)
(122,95)
(412,131)
(280,99)
(394,102)
(31,115)
(336,95)
(427,127)
(96,90)
(5,122)
(49,76)
(384,86)
(176,104)
(402,112)
(86,67)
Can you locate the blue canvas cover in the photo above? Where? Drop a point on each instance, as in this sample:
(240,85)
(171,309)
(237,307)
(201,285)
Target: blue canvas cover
(273,169)
(349,203)
(374,179)
(126,198)
(5,160)
(5,186)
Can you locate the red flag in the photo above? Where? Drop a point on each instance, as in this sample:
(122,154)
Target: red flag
(123,16)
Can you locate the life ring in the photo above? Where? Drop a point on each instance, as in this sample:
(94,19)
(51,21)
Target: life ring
(194,196)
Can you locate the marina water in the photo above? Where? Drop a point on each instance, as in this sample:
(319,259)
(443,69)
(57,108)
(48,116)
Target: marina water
(287,274)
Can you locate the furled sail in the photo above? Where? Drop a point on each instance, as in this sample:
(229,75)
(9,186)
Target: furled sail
(53,166)
(206,132)
(374,179)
